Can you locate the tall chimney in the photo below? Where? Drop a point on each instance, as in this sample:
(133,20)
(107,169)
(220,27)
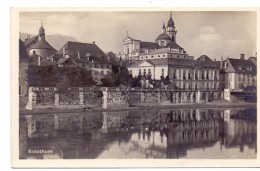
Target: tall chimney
(39,61)
(242,56)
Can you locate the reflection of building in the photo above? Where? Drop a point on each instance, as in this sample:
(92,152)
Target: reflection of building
(23,66)
(170,60)
(154,133)
(240,129)
(240,73)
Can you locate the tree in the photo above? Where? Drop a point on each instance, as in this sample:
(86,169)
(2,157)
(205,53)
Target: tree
(108,81)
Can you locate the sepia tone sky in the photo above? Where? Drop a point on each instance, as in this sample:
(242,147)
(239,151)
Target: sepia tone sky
(215,34)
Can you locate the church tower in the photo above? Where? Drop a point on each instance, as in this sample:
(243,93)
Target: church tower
(41,33)
(171,29)
(163,29)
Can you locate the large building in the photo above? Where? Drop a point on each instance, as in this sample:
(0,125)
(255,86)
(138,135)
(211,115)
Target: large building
(84,55)
(170,60)
(38,45)
(240,73)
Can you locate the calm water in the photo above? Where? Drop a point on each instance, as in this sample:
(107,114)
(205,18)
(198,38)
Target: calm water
(158,133)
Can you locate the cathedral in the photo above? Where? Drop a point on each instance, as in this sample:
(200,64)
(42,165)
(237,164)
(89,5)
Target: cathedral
(164,58)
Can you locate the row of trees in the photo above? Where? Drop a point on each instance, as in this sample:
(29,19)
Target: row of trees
(52,76)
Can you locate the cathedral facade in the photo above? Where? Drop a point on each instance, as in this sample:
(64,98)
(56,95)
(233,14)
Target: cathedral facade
(164,58)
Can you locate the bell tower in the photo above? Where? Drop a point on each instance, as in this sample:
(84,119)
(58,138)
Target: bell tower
(41,32)
(171,29)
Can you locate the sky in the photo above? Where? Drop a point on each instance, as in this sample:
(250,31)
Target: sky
(212,33)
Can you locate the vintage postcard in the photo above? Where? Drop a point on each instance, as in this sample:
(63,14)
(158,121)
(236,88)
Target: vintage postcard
(155,87)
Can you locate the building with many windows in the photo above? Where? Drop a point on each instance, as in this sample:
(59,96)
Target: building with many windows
(240,73)
(84,55)
(171,60)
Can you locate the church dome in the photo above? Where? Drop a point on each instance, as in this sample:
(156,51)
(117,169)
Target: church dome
(163,36)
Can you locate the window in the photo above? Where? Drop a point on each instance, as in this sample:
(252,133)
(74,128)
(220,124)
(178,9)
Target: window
(149,71)
(202,75)
(151,56)
(144,71)
(196,75)
(184,76)
(158,56)
(162,72)
(207,76)
(174,74)
(146,57)
(34,52)
(178,56)
(163,55)
(140,72)
(128,51)
(162,43)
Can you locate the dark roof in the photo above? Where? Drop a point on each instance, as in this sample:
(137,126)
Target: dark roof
(42,44)
(179,62)
(241,66)
(204,58)
(86,51)
(192,63)
(27,42)
(173,45)
(170,22)
(163,36)
(22,51)
(148,45)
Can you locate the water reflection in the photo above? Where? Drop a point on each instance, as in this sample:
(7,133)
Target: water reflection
(155,133)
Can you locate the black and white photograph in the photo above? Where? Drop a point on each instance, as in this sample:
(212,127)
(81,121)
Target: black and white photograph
(136,84)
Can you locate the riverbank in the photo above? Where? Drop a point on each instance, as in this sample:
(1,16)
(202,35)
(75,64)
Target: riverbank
(222,104)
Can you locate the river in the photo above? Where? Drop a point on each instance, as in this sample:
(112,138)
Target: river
(137,134)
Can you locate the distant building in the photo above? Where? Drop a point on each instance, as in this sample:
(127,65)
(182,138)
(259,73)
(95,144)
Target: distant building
(37,45)
(84,55)
(23,66)
(240,73)
(170,60)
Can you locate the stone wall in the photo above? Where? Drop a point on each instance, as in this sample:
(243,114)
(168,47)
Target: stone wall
(110,98)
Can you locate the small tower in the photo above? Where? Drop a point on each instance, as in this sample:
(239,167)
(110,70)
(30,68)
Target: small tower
(171,29)
(164,28)
(41,33)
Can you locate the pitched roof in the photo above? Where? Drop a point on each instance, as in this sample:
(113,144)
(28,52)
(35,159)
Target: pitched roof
(204,58)
(242,66)
(148,45)
(179,63)
(27,42)
(42,44)
(163,36)
(192,63)
(88,52)
(173,45)
(22,51)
